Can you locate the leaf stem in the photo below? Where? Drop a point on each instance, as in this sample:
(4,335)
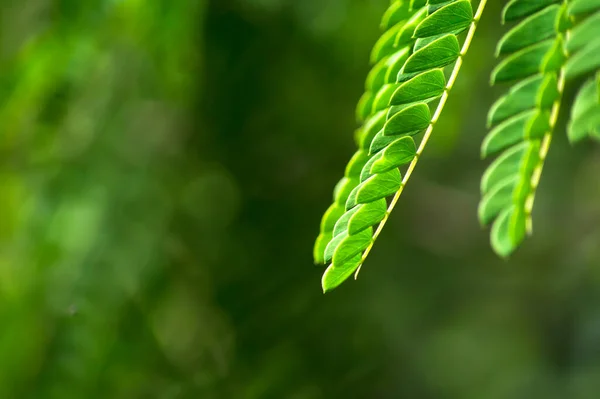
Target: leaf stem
(427,134)
(545,146)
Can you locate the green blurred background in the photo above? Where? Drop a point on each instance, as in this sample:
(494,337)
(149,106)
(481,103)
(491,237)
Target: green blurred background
(163,169)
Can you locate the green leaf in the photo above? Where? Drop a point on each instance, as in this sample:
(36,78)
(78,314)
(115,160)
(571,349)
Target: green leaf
(394,64)
(386,70)
(358,133)
(527,125)
(584,33)
(587,124)
(373,125)
(367,215)
(365,104)
(357,162)
(350,246)
(405,35)
(319,248)
(520,97)
(584,61)
(341,225)
(385,44)
(398,153)
(332,245)
(537,91)
(366,170)
(516,9)
(382,99)
(410,119)
(586,98)
(499,198)
(377,76)
(519,159)
(452,18)
(417,4)
(585,114)
(336,275)
(397,12)
(424,41)
(351,201)
(583,6)
(523,63)
(331,216)
(437,54)
(379,186)
(430,84)
(344,188)
(508,231)
(380,141)
(533,29)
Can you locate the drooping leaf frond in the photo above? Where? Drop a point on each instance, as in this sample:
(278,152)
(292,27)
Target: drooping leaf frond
(416,62)
(547,46)
(388,57)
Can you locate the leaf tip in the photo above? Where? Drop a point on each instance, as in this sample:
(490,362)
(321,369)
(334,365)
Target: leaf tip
(483,153)
(498,49)
(326,283)
(502,251)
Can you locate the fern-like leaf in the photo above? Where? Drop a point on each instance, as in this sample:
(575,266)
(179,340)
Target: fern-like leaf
(542,51)
(416,62)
